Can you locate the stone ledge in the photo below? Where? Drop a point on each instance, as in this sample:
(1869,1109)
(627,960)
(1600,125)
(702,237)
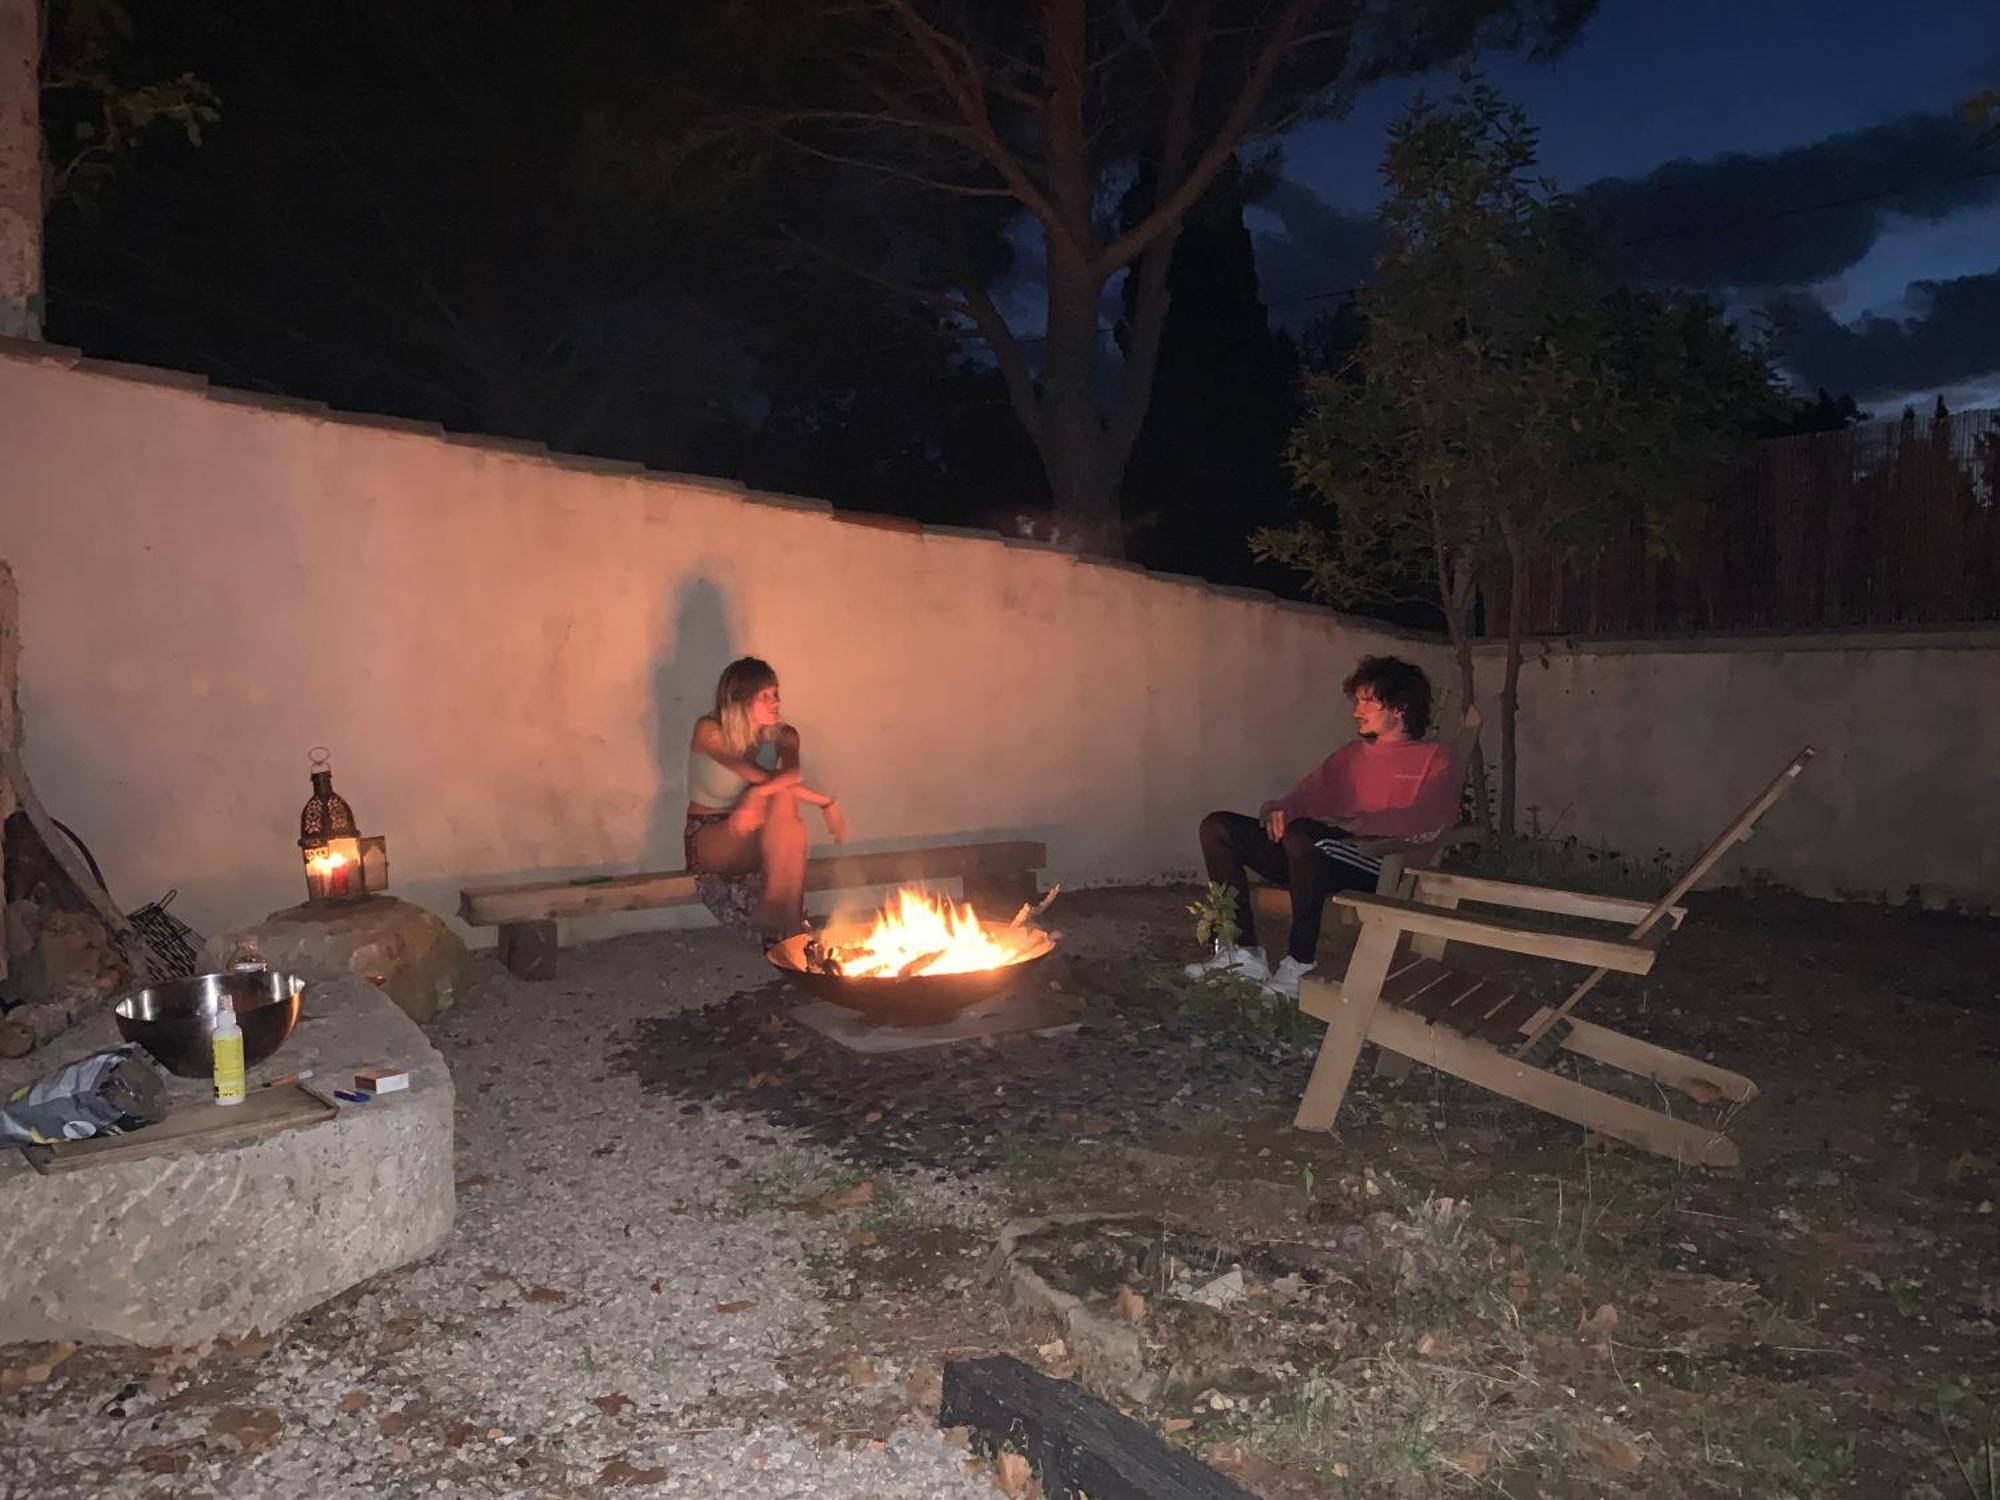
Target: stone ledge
(400,948)
(177,1249)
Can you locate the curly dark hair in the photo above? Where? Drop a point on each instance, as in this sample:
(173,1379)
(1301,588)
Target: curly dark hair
(1397,685)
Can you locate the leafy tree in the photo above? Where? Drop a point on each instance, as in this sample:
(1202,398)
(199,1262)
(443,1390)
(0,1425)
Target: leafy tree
(1509,402)
(1824,413)
(94,112)
(962,117)
(1210,453)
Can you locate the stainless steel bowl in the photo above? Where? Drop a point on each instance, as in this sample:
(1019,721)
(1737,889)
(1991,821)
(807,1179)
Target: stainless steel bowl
(175,1022)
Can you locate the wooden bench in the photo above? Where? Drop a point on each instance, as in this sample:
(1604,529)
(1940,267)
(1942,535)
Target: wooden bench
(997,878)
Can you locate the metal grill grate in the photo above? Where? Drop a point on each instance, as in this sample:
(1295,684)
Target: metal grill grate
(173,946)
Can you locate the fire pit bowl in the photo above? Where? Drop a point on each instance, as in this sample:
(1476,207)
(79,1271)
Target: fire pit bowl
(175,1021)
(906,1000)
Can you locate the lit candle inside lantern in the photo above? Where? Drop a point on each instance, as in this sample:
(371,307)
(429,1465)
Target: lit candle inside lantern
(331,872)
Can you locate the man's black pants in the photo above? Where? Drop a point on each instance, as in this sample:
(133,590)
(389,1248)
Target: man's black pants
(1312,861)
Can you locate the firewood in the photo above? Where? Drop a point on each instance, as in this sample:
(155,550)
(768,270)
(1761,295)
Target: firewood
(920,963)
(26,1027)
(65,855)
(1074,1442)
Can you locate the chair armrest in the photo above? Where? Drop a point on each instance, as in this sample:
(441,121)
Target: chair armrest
(1538,898)
(1379,848)
(1623,954)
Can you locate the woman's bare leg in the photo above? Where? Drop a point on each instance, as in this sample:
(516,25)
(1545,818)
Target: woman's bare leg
(782,843)
(720,848)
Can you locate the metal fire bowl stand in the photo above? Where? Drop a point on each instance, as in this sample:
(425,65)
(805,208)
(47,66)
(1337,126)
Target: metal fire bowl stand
(920,1000)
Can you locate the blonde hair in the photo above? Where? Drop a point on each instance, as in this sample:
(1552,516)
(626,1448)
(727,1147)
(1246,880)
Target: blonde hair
(741,681)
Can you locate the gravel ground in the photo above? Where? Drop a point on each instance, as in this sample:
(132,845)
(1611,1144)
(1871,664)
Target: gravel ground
(604,1283)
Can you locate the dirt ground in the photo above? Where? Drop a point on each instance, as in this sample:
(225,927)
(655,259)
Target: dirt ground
(1449,1294)
(1453,1294)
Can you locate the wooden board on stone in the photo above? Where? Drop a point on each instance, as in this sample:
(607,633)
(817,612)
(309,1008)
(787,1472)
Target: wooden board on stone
(265,1111)
(542,900)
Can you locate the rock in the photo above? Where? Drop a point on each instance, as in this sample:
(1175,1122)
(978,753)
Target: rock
(1103,1346)
(1222,1291)
(401,949)
(198,1245)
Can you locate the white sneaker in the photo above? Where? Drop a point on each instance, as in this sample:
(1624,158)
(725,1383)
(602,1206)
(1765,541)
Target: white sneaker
(1242,963)
(1284,980)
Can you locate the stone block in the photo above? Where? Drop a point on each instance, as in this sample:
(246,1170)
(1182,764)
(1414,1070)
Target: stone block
(410,955)
(530,950)
(219,1243)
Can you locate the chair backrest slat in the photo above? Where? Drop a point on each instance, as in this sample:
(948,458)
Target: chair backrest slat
(1736,833)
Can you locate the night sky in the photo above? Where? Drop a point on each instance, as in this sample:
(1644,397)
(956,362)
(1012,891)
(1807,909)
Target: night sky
(1767,110)
(1780,153)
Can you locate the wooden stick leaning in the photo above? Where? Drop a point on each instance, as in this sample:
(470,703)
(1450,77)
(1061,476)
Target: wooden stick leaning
(1659,911)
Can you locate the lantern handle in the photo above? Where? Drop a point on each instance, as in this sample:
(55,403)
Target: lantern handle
(320,758)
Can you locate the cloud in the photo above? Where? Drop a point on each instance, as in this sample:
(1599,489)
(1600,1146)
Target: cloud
(1323,252)
(1953,338)
(1795,216)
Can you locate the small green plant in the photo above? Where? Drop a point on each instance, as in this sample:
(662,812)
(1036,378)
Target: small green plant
(786,1181)
(1040,1161)
(892,1206)
(1229,1001)
(1215,924)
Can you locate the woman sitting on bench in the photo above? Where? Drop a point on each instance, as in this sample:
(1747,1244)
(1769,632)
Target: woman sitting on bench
(746,843)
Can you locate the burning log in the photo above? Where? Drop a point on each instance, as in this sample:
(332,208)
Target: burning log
(1032,910)
(921,963)
(820,959)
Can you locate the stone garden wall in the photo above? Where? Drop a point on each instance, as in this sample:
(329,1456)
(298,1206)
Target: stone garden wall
(505,651)
(1650,744)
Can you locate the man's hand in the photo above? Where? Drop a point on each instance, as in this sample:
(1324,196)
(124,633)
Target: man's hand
(836,822)
(1274,824)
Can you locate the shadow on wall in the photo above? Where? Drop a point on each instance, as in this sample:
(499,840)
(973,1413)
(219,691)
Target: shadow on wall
(684,673)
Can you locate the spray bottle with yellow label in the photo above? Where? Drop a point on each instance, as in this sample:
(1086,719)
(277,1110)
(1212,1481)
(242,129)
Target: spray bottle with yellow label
(228,1037)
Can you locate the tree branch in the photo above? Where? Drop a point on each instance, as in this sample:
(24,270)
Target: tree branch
(1073,180)
(887,169)
(943,301)
(1174,205)
(1007,352)
(967,91)
(1151,297)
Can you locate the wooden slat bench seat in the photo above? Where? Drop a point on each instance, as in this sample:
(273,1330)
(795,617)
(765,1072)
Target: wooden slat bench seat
(996,878)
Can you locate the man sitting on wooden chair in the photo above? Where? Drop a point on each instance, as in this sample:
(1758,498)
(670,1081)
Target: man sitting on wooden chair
(1389,783)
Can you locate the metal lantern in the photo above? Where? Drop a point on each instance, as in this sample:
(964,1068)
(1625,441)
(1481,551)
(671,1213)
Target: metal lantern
(339,861)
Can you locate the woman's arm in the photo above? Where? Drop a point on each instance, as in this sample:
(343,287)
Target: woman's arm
(708,740)
(789,760)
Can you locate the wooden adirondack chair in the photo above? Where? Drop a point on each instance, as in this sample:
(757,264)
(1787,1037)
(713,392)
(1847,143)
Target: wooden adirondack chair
(1412,1002)
(1274,903)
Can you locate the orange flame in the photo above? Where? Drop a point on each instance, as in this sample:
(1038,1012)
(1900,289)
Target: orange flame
(326,863)
(919,933)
